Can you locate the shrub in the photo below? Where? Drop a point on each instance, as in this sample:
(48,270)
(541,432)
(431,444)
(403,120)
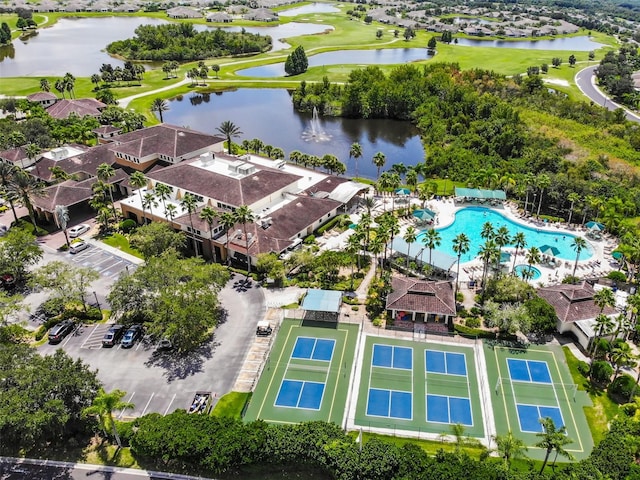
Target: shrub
(472,322)
(584,368)
(601,372)
(40,333)
(311,239)
(459,297)
(621,388)
(355,308)
(330,224)
(476,311)
(52,307)
(617,276)
(128,225)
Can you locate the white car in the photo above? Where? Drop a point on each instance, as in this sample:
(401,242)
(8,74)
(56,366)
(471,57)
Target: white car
(79,230)
(78,247)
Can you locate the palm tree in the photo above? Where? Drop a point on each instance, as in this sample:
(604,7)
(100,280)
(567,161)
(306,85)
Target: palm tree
(487,232)
(578,245)
(542,181)
(460,247)
(378,244)
(622,356)
(44,85)
(392,226)
(510,447)
(411,179)
(69,82)
(228,221)
(159,105)
(105,172)
(149,202)
(553,438)
(7,173)
(487,253)
(170,211)
(244,215)
(229,130)
(163,192)
(410,236)
(61,214)
(27,189)
(502,239)
(520,242)
(139,181)
(379,159)
(432,239)
(604,325)
(32,150)
(209,215)
(573,197)
(60,87)
(355,152)
(103,406)
(190,204)
(533,257)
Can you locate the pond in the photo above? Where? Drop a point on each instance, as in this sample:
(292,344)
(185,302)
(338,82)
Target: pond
(386,56)
(268,114)
(307,9)
(576,44)
(73,45)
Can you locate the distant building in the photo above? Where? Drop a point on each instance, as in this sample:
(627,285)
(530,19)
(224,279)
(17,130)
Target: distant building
(80,107)
(46,99)
(183,12)
(219,17)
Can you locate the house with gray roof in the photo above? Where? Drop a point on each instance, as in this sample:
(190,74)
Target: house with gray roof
(183,12)
(261,15)
(219,17)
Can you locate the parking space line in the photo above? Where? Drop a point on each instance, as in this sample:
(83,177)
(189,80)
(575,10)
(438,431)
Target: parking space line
(128,401)
(147,405)
(89,336)
(170,403)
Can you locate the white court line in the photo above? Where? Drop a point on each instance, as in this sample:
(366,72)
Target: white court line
(89,336)
(169,406)
(128,401)
(147,405)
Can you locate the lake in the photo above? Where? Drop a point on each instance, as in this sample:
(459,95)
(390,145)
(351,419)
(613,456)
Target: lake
(307,9)
(268,114)
(385,56)
(576,44)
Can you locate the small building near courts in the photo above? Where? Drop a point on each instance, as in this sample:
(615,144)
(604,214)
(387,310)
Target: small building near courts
(322,305)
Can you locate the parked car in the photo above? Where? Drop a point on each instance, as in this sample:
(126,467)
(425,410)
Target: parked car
(61,330)
(113,335)
(78,247)
(133,333)
(263,328)
(78,230)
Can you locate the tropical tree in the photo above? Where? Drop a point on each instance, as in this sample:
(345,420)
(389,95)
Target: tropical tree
(159,105)
(227,221)
(32,150)
(533,257)
(520,242)
(190,204)
(509,447)
(487,253)
(27,189)
(163,193)
(432,239)
(573,197)
(103,406)
(139,181)
(229,130)
(622,356)
(578,245)
(379,159)
(170,211)
(487,232)
(603,325)
(44,85)
(355,152)
(460,247)
(7,173)
(244,215)
(216,69)
(378,244)
(553,438)
(60,86)
(105,172)
(69,82)
(410,236)
(502,239)
(542,181)
(208,214)
(61,214)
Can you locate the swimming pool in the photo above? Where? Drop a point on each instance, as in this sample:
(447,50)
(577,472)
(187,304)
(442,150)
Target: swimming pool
(520,269)
(470,220)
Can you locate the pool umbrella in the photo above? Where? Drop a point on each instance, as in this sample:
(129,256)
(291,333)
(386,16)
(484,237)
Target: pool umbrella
(424,214)
(617,255)
(594,226)
(505,257)
(549,250)
(403,191)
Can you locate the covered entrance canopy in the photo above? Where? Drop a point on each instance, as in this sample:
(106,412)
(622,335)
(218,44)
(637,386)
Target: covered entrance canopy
(323,305)
(481,194)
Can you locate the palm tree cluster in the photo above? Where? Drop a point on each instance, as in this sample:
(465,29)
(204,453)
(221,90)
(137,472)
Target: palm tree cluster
(18,186)
(329,162)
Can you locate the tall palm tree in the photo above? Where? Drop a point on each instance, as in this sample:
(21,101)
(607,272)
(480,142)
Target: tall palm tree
(61,214)
(44,85)
(377,245)
(190,204)
(159,105)
(149,202)
(578,245)
(542,181)
(7,173)
(171,211)
(229,130)
(533,257)
(379,159)
(355,152)
(392,226)
(228,221)
(103,406)
(244,215)
(520,242)
(27,189)
(432,239)
(487,232)
(622,356)
(410,236)
(487,253)
(139,181)
(460,247)
(32,150)
(163,192)
(573,197)
(105,172)
(209,215)
(502,239)
(604,325)
(509,447)
(553,438)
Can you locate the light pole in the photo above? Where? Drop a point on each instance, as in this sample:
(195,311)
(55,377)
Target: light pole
(96,297)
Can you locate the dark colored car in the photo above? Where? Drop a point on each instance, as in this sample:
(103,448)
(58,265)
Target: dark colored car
(113,335)
(61,330)
(133,333)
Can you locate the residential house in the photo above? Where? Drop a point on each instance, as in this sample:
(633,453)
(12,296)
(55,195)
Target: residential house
(219,17)
(261,15)
(82,106)
(183,12)
(45,99)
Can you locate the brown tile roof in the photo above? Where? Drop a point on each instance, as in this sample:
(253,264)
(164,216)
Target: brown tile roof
(327,185)
(231,191)
(81,107)
(573,302)
(105,129)
(88,161)
(41,96)
(163,140)
(295,216)
(66,193)
(14,155)
(419,296)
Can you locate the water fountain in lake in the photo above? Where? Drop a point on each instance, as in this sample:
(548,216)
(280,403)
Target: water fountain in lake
(315,133)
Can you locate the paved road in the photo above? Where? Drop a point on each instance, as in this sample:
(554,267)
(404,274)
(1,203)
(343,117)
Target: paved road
(585,79)
(25,468)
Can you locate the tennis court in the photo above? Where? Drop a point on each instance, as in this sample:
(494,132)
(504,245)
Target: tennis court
(307,374)
(418,387)
(532,384)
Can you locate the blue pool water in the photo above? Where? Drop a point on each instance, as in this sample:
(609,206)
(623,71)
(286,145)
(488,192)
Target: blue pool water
(521,268)
(470,220)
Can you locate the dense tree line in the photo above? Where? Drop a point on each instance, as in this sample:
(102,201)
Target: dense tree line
(181,42)
(5,33)
(614,73)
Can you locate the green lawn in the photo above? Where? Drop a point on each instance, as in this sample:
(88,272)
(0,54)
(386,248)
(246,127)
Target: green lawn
(231,405)
(119,241)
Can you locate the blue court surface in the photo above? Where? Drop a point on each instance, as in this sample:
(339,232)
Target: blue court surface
(390,356)
(533,371)
(529,417)
(389,403)
(298,394)
(311,348)
(448,363)
(443,409)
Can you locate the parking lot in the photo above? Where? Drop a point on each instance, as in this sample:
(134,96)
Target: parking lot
(105,263)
